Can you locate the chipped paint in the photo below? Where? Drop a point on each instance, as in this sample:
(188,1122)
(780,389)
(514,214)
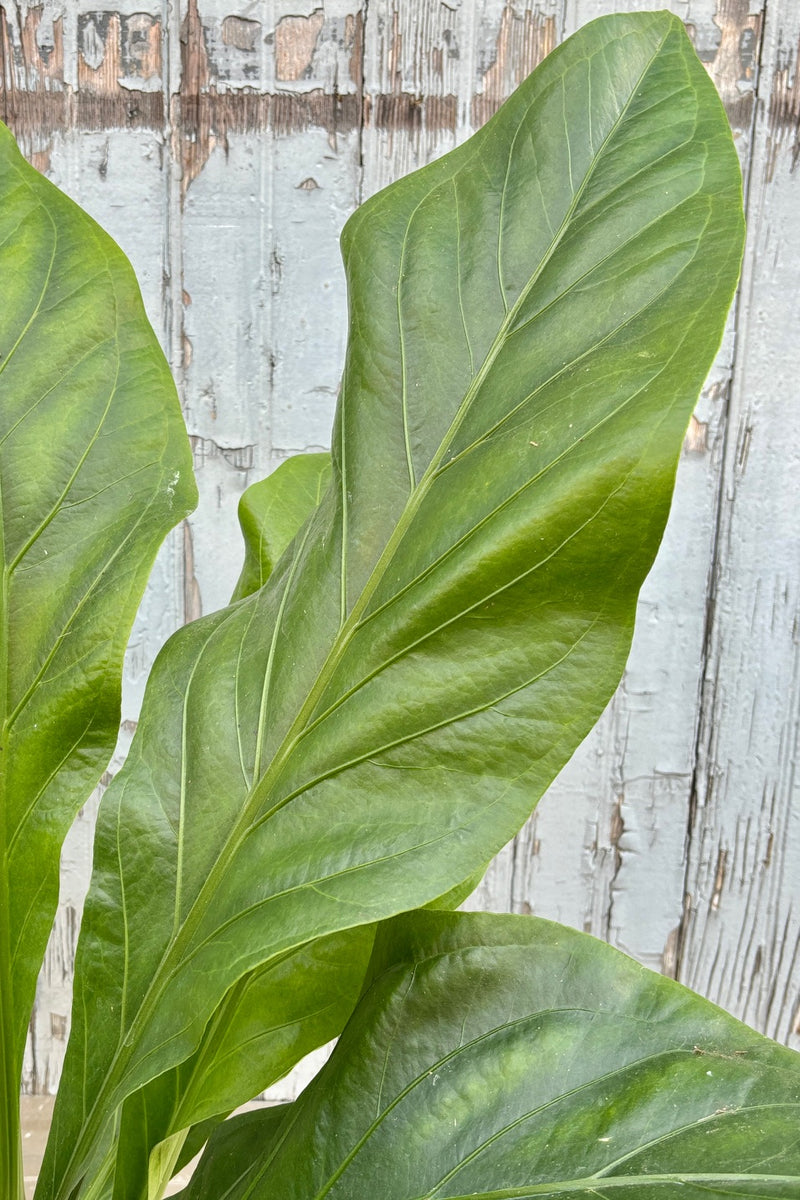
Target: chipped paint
(522,42)
(120,64)
(241,33)
(732,59)
(696,440)
(241,458)
(295,42)
(192,600)
(118,52)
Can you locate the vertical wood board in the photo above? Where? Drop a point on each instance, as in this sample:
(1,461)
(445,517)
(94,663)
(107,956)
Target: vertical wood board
(741,938)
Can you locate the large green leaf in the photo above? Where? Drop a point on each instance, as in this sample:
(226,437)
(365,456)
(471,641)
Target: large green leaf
(531,319)
(94,470)
(507,1056)
(268,1021)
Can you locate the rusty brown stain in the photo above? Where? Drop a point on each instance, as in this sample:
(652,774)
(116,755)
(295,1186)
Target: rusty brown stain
(40,159)
(295,42)
(522,43)
(113,48)
(100,53)
(670,953)
(36,68)
(768,853)
(719,879)
(193,135)
(354,42)
(240,32)
(30,74)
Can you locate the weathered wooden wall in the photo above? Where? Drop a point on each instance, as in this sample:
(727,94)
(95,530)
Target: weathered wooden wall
(223,144)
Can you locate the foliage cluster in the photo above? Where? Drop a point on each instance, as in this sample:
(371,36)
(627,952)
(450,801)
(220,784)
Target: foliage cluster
(428,622)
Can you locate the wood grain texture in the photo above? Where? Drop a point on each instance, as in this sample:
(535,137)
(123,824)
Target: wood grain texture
(224,145)
(741,932)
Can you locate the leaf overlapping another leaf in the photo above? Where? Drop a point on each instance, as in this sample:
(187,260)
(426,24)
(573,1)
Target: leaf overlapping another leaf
(531,319)
(499,1057)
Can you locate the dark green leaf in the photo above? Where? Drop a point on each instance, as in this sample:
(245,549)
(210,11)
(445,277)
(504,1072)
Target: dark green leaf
(507,1056)
(531,319)
(235,1143)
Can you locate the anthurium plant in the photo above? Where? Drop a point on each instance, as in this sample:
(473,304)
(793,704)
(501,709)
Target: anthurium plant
(428,622)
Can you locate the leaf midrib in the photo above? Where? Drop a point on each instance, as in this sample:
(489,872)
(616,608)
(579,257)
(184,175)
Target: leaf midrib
(418,495)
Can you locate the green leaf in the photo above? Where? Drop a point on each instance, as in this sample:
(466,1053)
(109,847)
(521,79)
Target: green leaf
(508,1056)
(94,470)
(235,1144)
(272,511)
(268,1021)
(531,319)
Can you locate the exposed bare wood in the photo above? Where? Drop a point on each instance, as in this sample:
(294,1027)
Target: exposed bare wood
(295,42)
(523,40)
(733,62)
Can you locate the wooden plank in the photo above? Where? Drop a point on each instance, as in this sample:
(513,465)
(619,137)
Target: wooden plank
(741,938)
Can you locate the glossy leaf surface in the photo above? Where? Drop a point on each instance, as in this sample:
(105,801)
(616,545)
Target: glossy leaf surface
(531,319)
(94,470)
(507,1056)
